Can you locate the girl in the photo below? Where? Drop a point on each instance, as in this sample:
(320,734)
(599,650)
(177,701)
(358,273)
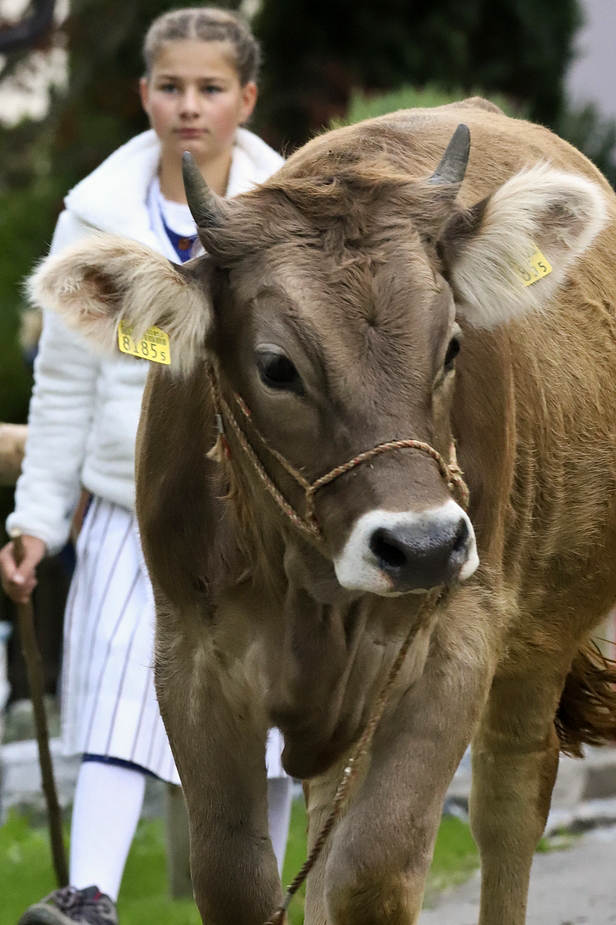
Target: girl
(199,87)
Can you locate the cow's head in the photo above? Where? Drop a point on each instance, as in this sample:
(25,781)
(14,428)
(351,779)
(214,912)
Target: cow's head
(330,300)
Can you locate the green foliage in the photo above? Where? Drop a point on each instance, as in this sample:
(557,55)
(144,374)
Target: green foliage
(30,200)
(316,53)
(369,106)
(27,217)
(455,856)
(592,134)
(144,897)
(558,841)
(25,867)
(26,875)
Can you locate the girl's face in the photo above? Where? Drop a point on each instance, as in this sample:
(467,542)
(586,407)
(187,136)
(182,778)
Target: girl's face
(194,99)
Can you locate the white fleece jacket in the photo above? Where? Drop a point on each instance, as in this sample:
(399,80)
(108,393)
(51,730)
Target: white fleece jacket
(85,409)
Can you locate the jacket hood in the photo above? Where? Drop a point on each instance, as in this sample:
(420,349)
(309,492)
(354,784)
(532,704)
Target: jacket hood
(115,194)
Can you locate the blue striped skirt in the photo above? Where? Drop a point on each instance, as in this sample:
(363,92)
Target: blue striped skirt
(109,705)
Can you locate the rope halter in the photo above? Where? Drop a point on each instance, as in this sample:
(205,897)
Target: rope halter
(309,524)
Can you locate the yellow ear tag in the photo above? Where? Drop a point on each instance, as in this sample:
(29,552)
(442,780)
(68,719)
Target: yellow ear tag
(154,345)
(537,267)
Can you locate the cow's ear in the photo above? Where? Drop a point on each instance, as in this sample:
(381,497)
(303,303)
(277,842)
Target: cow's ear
(529,231)
(105,279)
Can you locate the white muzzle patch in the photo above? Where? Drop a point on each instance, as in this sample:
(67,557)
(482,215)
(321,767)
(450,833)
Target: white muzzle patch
(393,552)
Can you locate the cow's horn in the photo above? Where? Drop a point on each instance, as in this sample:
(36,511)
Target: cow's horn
(208,209)
(453,164)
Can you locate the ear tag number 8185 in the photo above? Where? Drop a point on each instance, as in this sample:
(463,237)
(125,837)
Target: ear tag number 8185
(154,345)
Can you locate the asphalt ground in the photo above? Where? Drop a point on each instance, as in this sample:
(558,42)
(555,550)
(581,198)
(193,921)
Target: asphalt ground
(573,886)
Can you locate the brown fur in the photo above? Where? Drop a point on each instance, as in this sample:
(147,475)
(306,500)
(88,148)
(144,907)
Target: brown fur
(586,713)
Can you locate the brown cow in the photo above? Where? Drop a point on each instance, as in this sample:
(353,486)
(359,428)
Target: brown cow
(325,322)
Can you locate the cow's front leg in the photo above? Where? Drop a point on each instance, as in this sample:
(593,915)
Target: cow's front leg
(381,851)
(218,732)
(515,759)
(320,793)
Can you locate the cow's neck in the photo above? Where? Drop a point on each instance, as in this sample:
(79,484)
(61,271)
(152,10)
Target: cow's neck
(325,677)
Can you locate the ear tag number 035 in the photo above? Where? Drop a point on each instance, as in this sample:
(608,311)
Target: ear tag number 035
(154,345)
(535,269)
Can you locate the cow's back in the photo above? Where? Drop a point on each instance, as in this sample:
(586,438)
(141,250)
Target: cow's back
(415,139)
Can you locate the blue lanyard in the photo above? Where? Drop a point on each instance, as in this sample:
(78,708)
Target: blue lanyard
(182,244)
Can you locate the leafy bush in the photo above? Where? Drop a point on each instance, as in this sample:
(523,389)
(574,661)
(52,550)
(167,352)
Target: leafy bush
(317,53)
(586,129)
(369,106)
(27,217)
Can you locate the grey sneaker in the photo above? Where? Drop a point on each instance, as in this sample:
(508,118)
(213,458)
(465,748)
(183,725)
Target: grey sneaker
(69,906)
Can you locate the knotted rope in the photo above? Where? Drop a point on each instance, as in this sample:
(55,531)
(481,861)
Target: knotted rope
(309,524)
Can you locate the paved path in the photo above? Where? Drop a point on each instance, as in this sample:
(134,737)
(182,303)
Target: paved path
(575,886)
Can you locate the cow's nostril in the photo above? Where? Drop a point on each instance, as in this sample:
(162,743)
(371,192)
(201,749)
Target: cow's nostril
(462,536)
(388,553)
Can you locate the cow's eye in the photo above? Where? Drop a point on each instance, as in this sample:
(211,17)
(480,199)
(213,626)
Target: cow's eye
(277,371)
(452,351)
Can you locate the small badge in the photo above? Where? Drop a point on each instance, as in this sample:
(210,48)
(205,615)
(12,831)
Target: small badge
(154,345)
(537,267)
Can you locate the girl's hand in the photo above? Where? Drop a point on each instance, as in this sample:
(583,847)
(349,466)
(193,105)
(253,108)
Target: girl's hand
(20,580)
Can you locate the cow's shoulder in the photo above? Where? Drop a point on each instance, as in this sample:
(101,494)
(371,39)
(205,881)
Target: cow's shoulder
(182,515)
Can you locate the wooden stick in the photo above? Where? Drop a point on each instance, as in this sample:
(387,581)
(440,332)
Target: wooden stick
(34,669)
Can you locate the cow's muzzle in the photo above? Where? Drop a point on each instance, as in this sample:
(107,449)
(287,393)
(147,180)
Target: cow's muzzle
(396,552)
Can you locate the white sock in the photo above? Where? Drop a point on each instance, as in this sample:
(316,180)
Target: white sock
(279,795)
(108,801)
(106,811)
